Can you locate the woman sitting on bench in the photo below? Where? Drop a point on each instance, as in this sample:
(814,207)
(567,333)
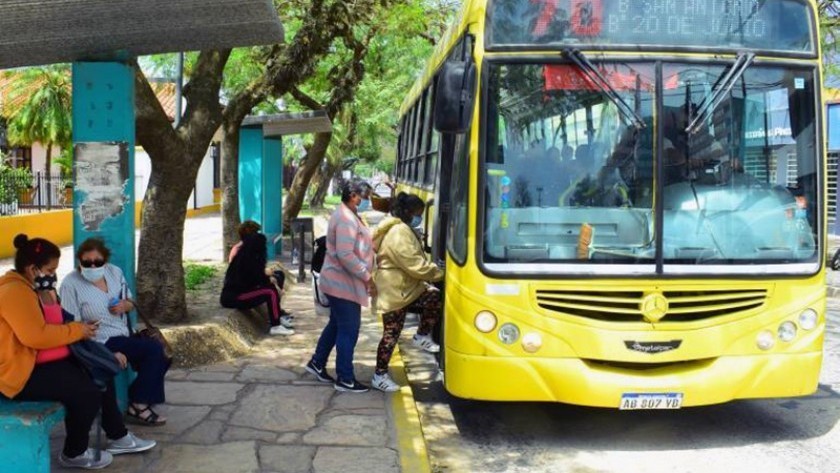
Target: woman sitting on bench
(36,364)
(97,291)
(247,286)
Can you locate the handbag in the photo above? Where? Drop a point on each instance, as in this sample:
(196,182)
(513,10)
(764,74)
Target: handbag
(97,360)
(151,331)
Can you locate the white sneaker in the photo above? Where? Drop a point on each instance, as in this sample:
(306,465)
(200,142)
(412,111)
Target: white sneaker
(130,444)
(280,330)
(384,382)
(86,460)
(286,321)
(426,343)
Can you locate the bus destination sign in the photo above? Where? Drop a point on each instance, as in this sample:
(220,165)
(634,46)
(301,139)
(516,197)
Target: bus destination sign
(777,25)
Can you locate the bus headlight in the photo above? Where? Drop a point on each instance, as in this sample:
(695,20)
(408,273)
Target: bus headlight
(485,321)
(808,319)
(531,342)
(765,340)
(508,334)
(787,331)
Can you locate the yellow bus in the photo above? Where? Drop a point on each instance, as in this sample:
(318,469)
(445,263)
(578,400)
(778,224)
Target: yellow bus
(629,198)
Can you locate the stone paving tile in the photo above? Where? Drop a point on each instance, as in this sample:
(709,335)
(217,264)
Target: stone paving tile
(355,460)
(281,408)
(233,457)
(211,376)
(201,394)
(286,459)
(258,374)
(205,433)
(288,438)
(349,430)
(244,433)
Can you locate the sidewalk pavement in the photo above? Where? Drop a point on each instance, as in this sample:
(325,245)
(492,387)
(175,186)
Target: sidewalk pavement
(264,413)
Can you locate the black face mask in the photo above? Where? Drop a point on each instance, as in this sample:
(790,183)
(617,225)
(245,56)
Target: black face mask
(46,282)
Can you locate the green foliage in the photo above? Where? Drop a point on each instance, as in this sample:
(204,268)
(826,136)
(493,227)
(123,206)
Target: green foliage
(44,114)
(12,182)
(197,274)
(830,41)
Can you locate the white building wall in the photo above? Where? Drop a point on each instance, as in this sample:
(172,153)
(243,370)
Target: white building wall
(142,172)
(203,184)
(39,158)
(202,195)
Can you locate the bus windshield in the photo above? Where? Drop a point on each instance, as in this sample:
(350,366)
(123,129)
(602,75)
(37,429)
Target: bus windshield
(567,180)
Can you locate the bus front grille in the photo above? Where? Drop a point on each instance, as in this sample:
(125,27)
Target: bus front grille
(626,306)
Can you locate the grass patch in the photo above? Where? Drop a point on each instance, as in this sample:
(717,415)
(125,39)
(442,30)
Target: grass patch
(332,200)
(197,274)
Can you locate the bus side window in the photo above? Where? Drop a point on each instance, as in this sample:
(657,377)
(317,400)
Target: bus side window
(457,238)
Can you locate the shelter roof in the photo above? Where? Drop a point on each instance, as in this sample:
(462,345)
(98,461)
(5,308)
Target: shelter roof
(35,32)
(292,123)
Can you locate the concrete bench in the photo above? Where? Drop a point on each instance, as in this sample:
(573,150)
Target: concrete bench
(25,435)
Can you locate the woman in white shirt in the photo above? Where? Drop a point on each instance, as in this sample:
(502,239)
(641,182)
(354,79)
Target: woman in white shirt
(97,291)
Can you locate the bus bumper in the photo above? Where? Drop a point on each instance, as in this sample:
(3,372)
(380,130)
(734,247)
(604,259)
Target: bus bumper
(581,382)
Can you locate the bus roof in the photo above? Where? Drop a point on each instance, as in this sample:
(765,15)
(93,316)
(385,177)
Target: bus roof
(472,11)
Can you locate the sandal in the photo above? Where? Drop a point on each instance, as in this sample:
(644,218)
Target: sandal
(135,416)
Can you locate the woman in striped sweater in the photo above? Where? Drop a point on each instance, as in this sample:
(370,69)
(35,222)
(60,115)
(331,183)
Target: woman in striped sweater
(346,279)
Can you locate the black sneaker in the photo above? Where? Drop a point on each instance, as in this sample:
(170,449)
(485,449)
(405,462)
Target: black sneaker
(351,387)
(319,373)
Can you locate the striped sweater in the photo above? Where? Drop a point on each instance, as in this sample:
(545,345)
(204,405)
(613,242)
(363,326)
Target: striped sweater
(349,260)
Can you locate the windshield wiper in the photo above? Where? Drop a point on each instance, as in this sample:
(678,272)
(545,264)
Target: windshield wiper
(724,85)
(595,76)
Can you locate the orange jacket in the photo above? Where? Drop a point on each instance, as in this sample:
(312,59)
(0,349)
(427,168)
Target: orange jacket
(23,332)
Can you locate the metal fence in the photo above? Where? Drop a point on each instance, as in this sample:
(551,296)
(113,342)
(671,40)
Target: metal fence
(38,192)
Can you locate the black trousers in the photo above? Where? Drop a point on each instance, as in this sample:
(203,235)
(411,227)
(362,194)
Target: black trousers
(66,382)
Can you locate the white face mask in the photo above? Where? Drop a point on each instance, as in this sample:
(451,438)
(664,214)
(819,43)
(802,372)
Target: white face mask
(93,274)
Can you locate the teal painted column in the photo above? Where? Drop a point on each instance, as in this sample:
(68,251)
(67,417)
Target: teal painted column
(272,195)
(103,138)
(250,173)
(103,169)
(261,182)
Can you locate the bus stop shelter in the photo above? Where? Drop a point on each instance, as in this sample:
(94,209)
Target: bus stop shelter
(261,166)
(100,37)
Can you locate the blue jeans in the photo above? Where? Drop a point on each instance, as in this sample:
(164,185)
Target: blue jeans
(341,332)
(147,359)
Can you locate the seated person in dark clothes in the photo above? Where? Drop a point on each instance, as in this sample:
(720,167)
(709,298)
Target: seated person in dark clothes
(247,286)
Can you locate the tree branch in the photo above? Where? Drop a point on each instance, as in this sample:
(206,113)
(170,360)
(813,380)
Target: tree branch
(305,99)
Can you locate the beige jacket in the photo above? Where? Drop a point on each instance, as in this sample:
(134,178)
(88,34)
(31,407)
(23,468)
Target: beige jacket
(403,268)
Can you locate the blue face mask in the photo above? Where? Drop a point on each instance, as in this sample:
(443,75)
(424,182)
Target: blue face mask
(93,274)
(364,205)
(416,221)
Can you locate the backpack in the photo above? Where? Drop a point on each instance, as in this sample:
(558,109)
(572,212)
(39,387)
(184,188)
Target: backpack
(319,252)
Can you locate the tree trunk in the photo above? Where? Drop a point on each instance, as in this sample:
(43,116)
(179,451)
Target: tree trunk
(176,156)
(322,180)
(313,159)
(160,271)
(230,186)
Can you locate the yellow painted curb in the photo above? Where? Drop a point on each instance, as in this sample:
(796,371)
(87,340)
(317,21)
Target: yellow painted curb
(414,458)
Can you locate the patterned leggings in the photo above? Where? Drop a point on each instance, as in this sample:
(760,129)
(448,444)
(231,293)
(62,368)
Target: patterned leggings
(428,305)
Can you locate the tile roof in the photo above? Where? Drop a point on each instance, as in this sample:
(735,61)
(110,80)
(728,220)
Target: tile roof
(165,92)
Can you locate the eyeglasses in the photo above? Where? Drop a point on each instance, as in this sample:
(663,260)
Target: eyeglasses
(96,263)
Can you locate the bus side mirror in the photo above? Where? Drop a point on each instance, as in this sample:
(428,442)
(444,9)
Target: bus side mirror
(455,97)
